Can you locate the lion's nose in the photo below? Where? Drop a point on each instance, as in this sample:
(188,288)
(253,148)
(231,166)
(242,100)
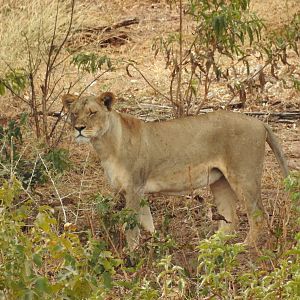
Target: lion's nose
(80,127)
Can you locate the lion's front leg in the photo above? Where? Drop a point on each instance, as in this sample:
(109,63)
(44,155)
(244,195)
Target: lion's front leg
(133,237)
(144,217)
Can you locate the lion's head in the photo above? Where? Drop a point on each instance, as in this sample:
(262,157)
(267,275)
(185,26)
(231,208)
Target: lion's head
(89,115)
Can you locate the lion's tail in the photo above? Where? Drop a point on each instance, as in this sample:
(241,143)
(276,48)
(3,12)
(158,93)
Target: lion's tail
(275,146)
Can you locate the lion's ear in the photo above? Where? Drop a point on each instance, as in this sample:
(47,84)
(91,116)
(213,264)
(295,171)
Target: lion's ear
(67,100)
(108,99)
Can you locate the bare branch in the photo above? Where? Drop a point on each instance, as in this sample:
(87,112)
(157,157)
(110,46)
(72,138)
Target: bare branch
(66,36)
(149,83)
(55,188)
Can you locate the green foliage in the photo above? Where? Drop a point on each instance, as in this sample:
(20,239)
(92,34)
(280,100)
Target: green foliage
(218,49)
(44,263)
(225,25)
(221,277)
(220,274)
(217,261)
(296,83)
(292,185)
(171,278)
(282,282)
(11,143)
(91,62)
(41,261)
(141,289)
(11,138)
(222,30)
(27,171)
(162,245)
(278,42)
(58,159)
(113,219)
(15,81)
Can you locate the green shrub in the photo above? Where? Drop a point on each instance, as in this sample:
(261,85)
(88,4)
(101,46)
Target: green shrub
(41,263)
(58,159)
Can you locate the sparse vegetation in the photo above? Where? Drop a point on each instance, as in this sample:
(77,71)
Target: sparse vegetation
(34,69)
(227,36)
(61,230)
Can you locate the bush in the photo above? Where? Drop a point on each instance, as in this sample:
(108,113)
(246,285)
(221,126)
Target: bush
(41,261)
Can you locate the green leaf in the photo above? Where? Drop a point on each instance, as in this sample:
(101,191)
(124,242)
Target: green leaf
(107,280)
(2,89)
(37,259)
(44,222)
(82,288)
(42,285)
(219,25)
(250,34)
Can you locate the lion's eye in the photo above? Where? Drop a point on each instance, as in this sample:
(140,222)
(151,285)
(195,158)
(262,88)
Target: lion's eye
(92,113)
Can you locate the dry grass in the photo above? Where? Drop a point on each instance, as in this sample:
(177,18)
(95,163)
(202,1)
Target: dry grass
(31,24)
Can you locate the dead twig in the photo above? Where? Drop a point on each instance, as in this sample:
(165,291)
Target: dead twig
(148,82)
(81,185)
(55,188)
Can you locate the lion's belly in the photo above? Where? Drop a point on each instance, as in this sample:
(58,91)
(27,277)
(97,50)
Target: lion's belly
(182,181)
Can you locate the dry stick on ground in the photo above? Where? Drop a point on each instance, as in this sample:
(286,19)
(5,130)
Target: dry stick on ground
(89,31)
(284,117)
(103,29)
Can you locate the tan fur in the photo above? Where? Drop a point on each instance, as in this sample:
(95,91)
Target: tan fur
(222,149)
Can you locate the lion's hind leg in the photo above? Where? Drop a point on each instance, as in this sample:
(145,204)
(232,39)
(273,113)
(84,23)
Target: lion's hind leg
(249,193)
(225,200)
(255,214)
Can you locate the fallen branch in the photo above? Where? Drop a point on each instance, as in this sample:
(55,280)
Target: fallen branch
(114,40)
(102,35)
(281,117)
(292,115)
(103,29)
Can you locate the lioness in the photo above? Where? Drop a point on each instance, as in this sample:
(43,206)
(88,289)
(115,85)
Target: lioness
(222,149)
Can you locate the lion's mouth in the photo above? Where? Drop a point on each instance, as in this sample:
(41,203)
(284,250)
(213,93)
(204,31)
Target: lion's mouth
(81,138)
